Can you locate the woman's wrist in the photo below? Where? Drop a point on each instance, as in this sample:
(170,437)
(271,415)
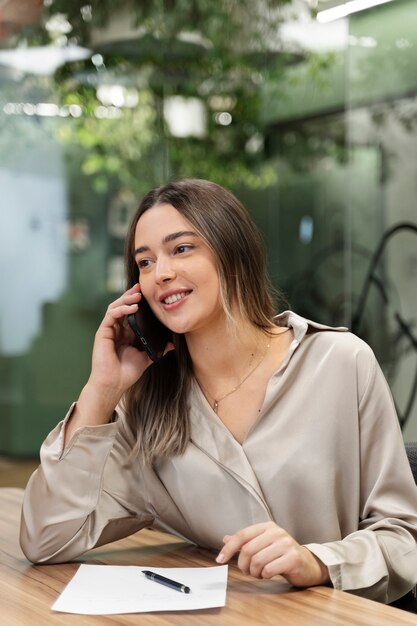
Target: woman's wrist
(322,570)
(103,397)
(94,407)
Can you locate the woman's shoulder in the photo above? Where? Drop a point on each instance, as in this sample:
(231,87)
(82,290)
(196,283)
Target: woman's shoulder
(325,337)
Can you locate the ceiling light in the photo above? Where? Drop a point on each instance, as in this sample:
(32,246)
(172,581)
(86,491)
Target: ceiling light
(342,10)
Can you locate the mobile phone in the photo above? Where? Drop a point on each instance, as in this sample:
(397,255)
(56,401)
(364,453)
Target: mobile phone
(152,335)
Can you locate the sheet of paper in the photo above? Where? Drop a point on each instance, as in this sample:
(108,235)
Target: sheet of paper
(110,589)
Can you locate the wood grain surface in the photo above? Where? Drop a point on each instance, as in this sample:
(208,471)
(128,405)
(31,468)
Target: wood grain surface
(27,592)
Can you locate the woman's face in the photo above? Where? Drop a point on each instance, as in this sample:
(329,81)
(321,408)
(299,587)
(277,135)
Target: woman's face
(178,271)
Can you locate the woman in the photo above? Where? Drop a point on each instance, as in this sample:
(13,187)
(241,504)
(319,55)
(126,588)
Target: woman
(272,439)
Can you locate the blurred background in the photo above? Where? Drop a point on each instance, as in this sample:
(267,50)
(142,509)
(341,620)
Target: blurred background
(306,110)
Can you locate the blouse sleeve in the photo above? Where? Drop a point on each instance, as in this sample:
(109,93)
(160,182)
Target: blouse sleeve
(379,560)
(84,495)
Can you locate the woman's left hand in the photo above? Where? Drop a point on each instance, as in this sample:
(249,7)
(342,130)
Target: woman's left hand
(266,550)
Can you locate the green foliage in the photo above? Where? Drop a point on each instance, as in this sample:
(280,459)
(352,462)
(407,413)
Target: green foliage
(218,51)
(222,22)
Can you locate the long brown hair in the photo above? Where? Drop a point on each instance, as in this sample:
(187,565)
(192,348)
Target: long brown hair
(157,405)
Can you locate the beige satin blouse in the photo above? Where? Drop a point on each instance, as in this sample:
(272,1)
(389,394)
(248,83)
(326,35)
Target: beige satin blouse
(325,461)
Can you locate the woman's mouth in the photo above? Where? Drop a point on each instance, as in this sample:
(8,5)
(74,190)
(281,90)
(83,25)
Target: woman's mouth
(175,297)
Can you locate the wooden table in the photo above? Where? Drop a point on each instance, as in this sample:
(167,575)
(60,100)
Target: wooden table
(27,592)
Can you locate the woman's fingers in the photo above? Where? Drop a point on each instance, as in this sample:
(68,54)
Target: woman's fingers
(261,551)
(234,543)
(266,550)
(126,304)
(256,546)
(130,296)
(117,313)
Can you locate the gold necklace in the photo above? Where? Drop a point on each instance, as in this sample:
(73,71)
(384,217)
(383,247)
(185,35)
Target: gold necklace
(217,401)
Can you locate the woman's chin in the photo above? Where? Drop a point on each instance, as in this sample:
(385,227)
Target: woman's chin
(179,329)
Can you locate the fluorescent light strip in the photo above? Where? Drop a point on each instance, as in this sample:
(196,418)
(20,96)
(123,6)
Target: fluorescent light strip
(335,13)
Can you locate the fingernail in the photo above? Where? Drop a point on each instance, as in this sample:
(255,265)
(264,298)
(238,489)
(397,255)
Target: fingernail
(220,558)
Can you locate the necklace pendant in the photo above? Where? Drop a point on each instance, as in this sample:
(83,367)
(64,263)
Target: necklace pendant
(215,406)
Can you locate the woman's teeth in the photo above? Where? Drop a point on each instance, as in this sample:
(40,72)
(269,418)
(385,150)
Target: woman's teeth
(175,297)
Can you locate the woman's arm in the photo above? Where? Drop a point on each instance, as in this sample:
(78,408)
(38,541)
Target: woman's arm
(66,510)
(379,558)
(84,495)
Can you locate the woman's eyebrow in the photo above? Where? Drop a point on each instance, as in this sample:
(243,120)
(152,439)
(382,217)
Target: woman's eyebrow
(167,239)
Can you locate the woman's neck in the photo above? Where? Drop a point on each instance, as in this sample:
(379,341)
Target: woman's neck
(225,352)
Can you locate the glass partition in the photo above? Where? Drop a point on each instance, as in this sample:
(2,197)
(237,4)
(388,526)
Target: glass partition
(382,118)
(311,124)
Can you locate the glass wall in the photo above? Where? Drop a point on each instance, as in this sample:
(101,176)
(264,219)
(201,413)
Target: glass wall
(383,120)
(344,132)
(312,125)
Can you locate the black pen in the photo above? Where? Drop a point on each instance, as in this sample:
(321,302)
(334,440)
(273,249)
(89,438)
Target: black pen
(166,581)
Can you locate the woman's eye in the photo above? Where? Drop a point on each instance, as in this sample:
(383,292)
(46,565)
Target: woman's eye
(143,263)
(185,247)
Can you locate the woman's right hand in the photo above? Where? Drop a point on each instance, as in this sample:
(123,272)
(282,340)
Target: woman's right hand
(116,363)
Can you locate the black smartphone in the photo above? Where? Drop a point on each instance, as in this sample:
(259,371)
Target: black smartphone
(152,335)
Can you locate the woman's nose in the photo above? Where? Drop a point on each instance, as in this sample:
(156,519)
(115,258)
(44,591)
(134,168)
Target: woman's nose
(164,271)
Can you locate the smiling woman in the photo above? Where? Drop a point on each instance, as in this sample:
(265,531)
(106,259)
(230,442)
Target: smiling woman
(212,441)
(176,270)
(179,246)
